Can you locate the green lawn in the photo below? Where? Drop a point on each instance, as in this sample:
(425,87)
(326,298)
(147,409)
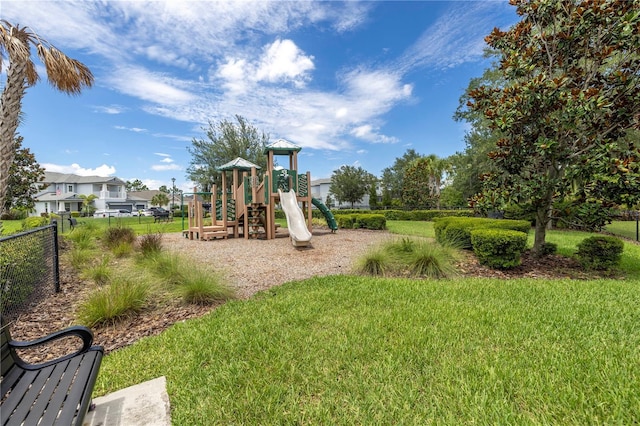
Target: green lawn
(354,350)
(623,228)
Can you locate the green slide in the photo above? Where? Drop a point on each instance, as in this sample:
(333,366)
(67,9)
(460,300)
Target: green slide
(331,221)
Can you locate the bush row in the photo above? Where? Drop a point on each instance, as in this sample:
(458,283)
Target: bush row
(498,243)
(417,215)
(457,230)
(364,221)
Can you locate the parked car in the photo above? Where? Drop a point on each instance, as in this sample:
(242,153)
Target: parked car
(112,213)
(147,212)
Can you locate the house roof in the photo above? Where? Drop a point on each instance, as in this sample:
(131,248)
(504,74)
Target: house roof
(142,195)
(51,196)
(238,164)
(320,181)
(55,177)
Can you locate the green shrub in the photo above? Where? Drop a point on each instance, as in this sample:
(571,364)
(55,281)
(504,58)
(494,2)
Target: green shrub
(115,301)
(498,248)
(115,235)
(360,220)
(548,249)
(600,252)
(456,231)
(34,222)
(345,221)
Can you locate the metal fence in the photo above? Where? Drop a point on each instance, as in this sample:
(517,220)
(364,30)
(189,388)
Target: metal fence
(28,269)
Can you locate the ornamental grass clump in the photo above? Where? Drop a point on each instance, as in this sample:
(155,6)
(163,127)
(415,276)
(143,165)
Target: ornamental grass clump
(124,296)
(432,261)
(409,256)
(118,234)
(203,287)
(375,262)
(150,244)
(100,273)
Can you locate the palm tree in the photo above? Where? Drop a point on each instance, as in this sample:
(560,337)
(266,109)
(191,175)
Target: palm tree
(65,74)
(87,201)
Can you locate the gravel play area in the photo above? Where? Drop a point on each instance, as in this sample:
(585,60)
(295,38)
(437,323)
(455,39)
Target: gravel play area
(255,265)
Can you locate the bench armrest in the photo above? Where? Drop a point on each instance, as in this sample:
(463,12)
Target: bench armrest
(78,331)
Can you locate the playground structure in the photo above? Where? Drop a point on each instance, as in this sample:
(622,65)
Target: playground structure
(246,205)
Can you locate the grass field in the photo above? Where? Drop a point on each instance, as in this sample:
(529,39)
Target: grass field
(353,350)
(627,229)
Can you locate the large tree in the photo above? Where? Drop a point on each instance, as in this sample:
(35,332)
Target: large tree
(572,92)
(135,185)
(349,184)
(25,175)
(423,181)
(225,142)
(393,177)
(65,74)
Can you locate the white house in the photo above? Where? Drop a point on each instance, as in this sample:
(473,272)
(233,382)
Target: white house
(320,190)
(62,193)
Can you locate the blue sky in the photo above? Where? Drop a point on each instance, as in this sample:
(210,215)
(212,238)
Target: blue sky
(352,83)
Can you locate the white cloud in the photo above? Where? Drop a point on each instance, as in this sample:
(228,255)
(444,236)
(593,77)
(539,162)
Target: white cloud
(76,169)
(138,82)
(284,61)
(131,129)
(368,133)
(111,109)
(165,167)
(167,160)
(456,37)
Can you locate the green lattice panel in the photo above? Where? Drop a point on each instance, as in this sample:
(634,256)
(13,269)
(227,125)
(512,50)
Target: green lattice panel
(218,209)
(231,209)
(303,186)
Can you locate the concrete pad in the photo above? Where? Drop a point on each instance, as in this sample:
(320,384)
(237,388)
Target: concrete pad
(145,404)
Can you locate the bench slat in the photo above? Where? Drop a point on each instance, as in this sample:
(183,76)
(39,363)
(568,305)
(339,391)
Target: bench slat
(84,377)
(19,401)
(37,407)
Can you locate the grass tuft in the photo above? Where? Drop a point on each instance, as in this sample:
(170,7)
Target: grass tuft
(373,263)
(150,244)
(432,261)
(122,249)
(122,297)
(118,234)
(203,287)
(100,273)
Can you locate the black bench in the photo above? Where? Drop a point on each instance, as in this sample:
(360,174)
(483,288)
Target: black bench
(161,216)
(56,392)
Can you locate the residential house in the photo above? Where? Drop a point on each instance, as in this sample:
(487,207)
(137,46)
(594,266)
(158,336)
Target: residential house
(63,190)
(320,190)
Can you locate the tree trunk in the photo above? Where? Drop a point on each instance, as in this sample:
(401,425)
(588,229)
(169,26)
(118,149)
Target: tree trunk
(10,107)
(543,219)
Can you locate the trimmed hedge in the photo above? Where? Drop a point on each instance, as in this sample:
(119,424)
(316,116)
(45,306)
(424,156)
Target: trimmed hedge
(498,248)
(456,231)
(365,221)
(600,252)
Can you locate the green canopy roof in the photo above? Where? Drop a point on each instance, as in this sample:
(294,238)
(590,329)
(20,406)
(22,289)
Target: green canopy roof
(282,146)
(238,164)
